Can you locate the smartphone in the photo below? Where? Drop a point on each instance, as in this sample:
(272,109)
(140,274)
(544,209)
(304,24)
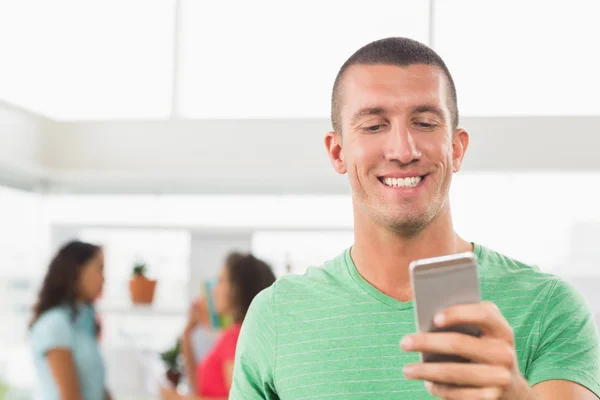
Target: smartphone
(438,283)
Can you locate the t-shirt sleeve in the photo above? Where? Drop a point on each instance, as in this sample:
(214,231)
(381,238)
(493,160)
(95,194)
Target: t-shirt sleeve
(568,346)
(253,372)
(52,330)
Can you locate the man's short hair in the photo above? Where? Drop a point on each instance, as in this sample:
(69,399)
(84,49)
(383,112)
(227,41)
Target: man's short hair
(398,51)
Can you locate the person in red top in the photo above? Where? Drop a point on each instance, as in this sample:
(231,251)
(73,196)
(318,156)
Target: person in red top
(240,280)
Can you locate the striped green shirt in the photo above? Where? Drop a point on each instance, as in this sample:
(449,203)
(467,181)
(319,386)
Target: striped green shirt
(329,334)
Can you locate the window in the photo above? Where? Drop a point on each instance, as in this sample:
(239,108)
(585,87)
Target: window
(521,57)
(23,241)
(272,59)
(88,60)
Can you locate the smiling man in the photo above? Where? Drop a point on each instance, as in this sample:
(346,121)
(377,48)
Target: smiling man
(334,332)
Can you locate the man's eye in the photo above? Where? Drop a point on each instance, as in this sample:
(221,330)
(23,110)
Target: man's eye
(425,125)
(373,128)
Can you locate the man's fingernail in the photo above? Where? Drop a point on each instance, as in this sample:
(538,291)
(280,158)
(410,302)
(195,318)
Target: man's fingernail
(406,342)
(408,369)
(439,319)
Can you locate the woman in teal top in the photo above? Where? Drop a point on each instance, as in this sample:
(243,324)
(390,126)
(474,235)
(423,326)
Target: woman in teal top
(64,330)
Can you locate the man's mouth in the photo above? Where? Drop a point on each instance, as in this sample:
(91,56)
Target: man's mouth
(407,182)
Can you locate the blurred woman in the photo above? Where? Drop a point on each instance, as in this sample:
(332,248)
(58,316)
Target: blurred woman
(64,330)
(240,280)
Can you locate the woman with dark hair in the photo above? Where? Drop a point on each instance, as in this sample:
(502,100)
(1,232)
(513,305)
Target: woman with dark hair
(64,330)
(242,277)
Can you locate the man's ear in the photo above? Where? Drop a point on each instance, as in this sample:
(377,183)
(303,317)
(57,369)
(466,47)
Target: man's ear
(460,142)
(333,144)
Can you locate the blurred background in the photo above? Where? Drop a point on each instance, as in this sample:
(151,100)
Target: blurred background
(175,131)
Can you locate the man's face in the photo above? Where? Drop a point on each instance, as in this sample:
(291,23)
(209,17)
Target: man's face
(397,143)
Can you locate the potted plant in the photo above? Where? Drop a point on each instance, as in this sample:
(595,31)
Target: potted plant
(170,358)
(140,287)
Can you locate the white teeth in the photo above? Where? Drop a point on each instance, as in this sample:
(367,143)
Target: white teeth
(403,182)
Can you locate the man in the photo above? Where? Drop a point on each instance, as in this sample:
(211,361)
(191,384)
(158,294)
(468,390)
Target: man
(333,333)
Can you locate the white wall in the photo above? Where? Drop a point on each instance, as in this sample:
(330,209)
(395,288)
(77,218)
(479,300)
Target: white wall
(21,145)
(208,253)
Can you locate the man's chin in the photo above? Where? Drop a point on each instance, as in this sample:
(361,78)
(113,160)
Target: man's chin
(406,223)
(407,228)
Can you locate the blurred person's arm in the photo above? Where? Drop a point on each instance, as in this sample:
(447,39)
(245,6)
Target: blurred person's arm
(228,372)
(62,368)
(171,394)
(52,339)
(107,395)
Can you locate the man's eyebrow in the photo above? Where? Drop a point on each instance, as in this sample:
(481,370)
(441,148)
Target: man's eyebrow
(363,112)
(430,108)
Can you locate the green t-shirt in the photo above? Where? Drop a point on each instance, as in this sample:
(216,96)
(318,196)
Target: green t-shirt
(329,334)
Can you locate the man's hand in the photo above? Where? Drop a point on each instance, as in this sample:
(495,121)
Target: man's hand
(494,370)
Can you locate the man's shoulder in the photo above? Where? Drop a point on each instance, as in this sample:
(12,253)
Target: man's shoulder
(326,273)
(313,284)
(517,286)
(497,268)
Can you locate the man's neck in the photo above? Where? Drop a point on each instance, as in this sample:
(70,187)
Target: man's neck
(382,257)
